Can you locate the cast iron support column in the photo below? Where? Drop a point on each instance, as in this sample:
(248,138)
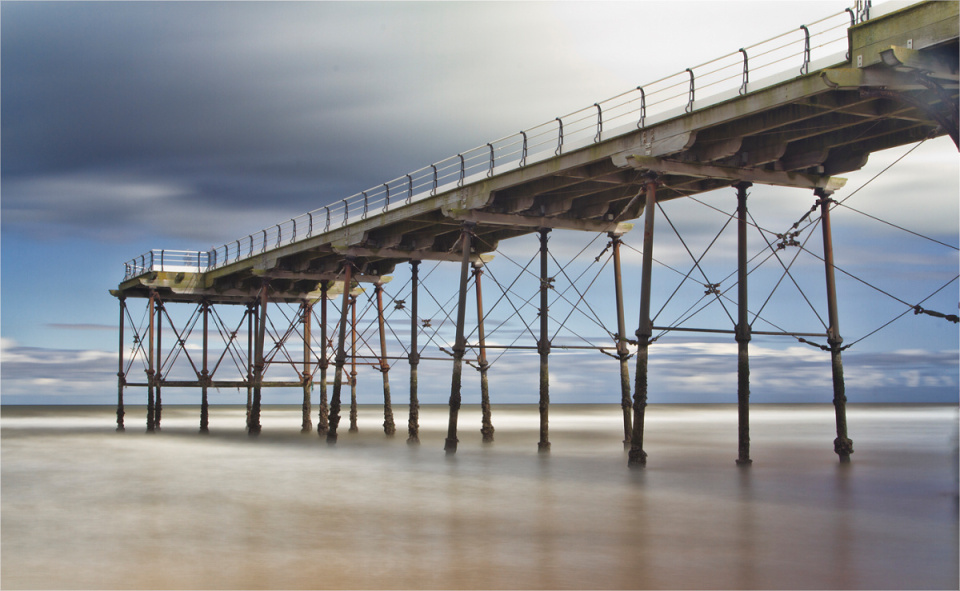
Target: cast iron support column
(842,445)
(460,346)
(158,404)
(486,425)
(151,362)
(388,425)
(121,378)
(341,357)
(204,372)
(413,422)
(353,364)
(743,330)
(543,445)
(306,309)
(623,353)
(251,312)
(638,457)
(258,364)
(323,424)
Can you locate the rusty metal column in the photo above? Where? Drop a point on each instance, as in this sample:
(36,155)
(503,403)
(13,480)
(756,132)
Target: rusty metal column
(486,425)
(341,357)
(323,416)
(637,456)
(251,311)
(158,405)
(306,309)
(743,330)
(413,422)
(544,346)
(388,425)
(842,445)
(253,429)
(151,310)
(353,364)
(121,377)
(623,353)
(460,346)
(204,373)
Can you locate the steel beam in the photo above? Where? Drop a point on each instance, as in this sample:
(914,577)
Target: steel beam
(752,175)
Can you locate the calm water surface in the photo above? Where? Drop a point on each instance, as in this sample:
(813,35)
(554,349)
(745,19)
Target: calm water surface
(86,507)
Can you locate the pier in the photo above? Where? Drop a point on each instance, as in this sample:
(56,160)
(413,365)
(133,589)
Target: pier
(282,307)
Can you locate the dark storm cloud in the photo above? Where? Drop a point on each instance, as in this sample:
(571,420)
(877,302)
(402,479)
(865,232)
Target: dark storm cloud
(248,106)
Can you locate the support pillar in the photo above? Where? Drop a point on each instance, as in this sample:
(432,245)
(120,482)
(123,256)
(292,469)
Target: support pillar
(353,364)
(121,377)
(306,311)
(323,424)
(253,429)
(251,315)
(743,330)
(204,372)
(486,428)
(158,404)
(544,346)
(341,357)
(389,427)
(151,360)
(623,353)
(842,445)
(460,346)
(413,422)
(638,457)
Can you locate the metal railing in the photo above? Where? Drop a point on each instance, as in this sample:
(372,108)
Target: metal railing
(786,56)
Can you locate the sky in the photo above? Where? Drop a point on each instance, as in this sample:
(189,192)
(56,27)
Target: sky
(182,125)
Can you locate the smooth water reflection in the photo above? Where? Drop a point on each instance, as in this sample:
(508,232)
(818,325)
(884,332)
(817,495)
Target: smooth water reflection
(84,507)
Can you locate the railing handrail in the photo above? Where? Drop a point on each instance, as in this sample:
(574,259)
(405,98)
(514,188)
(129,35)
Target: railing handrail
(658,100)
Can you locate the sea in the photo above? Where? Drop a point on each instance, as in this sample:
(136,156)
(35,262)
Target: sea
(87,507)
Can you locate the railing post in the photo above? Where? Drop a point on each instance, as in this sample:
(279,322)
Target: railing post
(805,68)
(559,137)
(599,135)
(643,108)
(689,106)
(746,72)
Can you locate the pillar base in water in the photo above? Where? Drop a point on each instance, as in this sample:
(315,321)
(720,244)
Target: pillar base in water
(744,461)
(843,448)
(450,445)
(637,458)
(543,447)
